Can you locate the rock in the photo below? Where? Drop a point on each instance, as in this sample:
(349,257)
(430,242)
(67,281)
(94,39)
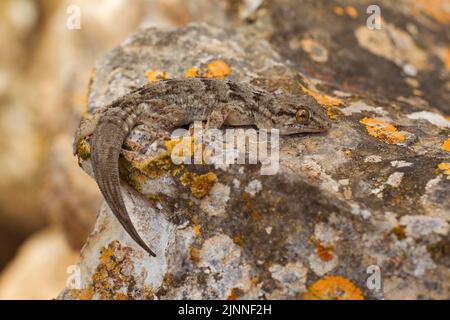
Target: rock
(367,199)
(39,269)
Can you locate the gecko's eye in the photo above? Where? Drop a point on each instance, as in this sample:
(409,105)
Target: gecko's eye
(302,116)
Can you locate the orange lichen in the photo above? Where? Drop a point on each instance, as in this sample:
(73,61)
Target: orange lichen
(157,75)
(234,294)
(197,230)
(192,72)
(446,145)
(382,130)
(200,185)
(324,252)
(321,98)
(339,11)
(333,288)
(352,12)
(444,167)
(218,69)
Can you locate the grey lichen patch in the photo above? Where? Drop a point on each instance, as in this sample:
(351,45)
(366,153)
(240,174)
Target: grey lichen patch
(253,187)
(420,226)
(215,203)
(291,278)
(222,257)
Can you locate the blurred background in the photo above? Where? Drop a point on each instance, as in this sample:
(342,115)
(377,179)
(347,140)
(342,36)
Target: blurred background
(48,204)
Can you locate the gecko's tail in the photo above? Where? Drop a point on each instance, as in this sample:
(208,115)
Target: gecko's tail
(107,141)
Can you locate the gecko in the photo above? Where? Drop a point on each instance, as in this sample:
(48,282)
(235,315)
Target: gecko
(169,104)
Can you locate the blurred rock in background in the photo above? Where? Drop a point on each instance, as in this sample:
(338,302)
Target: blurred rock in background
(39,269)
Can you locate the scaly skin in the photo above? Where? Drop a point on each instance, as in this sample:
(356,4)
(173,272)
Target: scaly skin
(169,104)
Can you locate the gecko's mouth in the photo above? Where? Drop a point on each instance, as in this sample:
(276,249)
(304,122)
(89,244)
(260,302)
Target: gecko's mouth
(304,129)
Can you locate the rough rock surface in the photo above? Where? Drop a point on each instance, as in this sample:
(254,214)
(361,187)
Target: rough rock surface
(371,193)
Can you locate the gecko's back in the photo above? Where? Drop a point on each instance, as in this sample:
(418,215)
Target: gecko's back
(199,96)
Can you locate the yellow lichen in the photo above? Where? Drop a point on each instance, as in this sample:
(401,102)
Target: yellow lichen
(446,145)
(200,185)
(321,98)
(192,72)
(444,167)
(155,167)
(334,113)
(137,172)
(172,143)
(113,279)
(218,69)
(157,75)
(83,150)
(333,288)
(382,130)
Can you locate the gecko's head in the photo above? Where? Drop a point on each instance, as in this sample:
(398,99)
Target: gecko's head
(292,114)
